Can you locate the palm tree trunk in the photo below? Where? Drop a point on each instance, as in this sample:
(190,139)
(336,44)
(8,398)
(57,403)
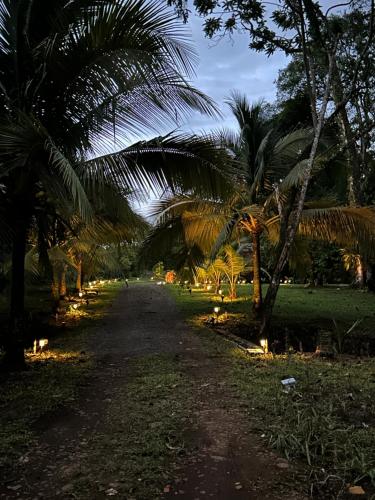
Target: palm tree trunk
(233,289)
(62,282)
(370,278)
(14,346)
(257,284)
(55,284)
(79,276)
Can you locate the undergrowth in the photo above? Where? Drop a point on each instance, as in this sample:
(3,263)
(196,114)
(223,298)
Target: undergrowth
(327,421)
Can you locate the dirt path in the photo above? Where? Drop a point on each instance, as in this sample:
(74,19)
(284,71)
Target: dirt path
(225,461)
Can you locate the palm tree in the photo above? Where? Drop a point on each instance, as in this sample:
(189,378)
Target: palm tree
(264,155)
(232,265)
(76,75)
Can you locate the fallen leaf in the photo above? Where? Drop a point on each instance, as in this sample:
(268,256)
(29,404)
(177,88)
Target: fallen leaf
(356,490)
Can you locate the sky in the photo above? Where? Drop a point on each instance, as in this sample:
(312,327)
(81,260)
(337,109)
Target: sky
(230,65)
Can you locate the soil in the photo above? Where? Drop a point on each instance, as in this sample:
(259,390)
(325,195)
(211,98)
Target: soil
(226,460)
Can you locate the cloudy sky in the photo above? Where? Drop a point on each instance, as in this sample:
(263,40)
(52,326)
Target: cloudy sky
(230,65)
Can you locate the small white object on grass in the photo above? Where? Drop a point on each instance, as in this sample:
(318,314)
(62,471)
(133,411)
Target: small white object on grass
(288,383)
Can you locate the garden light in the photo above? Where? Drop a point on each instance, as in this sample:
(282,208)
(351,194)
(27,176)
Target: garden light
(40,344)
(80,294)
(264,344)
(75,306)
(220,292)
(216,310)
(209,287)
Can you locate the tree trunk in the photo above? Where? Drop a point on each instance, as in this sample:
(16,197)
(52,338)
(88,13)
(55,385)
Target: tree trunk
(349,144)
(55,284)
(257,284)
(370,278)
(14,345)
(62,282)
(295,217)
(79,276)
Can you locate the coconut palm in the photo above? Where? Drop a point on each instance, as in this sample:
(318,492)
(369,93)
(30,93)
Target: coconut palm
(77,75)
(264,156)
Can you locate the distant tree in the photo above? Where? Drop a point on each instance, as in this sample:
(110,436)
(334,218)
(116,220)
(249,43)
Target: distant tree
(158,271)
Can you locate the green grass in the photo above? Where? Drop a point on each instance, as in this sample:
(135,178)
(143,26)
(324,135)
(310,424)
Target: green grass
(51,380)
(295,304)
(136,450)
(327,423)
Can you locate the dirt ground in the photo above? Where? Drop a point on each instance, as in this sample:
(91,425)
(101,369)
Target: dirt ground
(225,460)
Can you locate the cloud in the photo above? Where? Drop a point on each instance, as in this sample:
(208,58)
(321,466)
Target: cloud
(230,65)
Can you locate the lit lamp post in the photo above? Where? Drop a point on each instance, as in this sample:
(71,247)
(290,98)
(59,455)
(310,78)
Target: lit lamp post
(264,344)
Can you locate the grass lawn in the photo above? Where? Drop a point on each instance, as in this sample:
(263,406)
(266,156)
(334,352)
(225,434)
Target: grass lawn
(52,378)
(295,304)
(327,422)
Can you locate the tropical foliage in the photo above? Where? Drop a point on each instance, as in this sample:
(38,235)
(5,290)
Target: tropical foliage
(78,80)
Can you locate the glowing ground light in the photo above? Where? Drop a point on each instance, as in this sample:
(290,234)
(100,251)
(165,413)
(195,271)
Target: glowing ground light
(216,310)
(80,294)
(264,344)
(41,343)
(75,306)
(209,287)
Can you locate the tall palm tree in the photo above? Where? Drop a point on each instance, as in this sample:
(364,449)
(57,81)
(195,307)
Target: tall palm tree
(264,155)
(75,75)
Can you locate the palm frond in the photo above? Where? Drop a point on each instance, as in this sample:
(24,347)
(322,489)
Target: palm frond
(174,161)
